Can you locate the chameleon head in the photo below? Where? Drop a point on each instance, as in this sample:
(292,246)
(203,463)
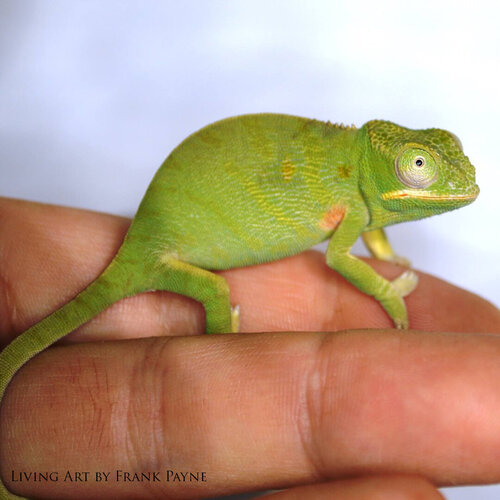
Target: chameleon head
(417,172)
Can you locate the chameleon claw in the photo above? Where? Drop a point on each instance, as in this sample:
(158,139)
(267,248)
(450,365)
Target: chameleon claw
(401,324)
(405,283)
(401,261)
(235,318)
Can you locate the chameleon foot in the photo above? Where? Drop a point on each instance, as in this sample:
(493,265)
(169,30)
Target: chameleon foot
(235,319)
(405,283)
(401,261)
(401,324)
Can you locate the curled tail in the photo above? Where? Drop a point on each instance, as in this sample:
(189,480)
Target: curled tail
(122,278)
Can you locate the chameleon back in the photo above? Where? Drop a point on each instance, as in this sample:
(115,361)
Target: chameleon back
(247,190)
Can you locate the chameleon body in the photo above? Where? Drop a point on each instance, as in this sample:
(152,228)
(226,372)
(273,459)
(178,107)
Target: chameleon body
(257,188)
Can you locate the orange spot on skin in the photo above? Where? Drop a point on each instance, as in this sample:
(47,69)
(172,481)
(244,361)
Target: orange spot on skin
(331,219)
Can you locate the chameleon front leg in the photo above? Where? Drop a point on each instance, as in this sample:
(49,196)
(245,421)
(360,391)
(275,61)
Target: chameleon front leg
(211,290)
(360,274)
(377,243)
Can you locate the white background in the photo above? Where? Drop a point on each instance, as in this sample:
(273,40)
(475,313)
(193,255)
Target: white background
(94,95)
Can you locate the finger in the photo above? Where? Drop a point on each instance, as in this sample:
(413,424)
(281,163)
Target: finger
(383,487)
(302,293)
(48,254)
(256,411)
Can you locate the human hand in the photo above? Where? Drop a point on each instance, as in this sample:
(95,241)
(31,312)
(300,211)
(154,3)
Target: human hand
(253,411)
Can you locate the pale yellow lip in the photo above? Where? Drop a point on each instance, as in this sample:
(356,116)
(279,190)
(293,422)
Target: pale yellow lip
(425,195)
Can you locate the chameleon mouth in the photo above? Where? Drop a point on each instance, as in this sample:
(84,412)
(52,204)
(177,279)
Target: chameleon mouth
(426,195)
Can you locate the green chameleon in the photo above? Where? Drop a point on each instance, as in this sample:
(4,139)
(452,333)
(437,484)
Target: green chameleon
(257,188)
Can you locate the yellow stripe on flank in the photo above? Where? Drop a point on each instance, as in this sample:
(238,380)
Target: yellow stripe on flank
(287,169)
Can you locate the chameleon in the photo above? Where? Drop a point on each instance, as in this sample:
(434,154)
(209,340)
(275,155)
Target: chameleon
(256,188)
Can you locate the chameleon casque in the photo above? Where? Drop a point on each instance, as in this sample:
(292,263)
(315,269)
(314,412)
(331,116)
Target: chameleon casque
(256,188)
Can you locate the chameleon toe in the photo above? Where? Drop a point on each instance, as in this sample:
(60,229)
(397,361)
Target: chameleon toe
(235,318)
(405,283)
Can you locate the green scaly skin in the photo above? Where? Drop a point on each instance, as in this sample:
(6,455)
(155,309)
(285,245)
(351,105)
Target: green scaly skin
(258,188)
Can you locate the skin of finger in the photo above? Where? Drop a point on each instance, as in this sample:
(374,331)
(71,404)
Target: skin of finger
(383,487)
(257,411)
(48,254)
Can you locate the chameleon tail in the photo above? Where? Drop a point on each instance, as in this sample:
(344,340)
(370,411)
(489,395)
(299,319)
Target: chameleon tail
(122,278)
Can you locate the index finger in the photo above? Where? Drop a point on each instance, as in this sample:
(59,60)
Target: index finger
(48,254)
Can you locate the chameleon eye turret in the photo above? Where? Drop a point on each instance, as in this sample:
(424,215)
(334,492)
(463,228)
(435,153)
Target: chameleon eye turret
(416,168)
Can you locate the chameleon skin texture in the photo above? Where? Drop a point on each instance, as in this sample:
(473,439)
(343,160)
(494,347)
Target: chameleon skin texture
(249,190)
(257,188)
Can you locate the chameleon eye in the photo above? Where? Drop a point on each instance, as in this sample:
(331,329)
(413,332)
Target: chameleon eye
(416,168)
(419,161)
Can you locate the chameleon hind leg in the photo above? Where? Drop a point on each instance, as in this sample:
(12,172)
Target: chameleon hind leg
(377,243)
(204,286)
